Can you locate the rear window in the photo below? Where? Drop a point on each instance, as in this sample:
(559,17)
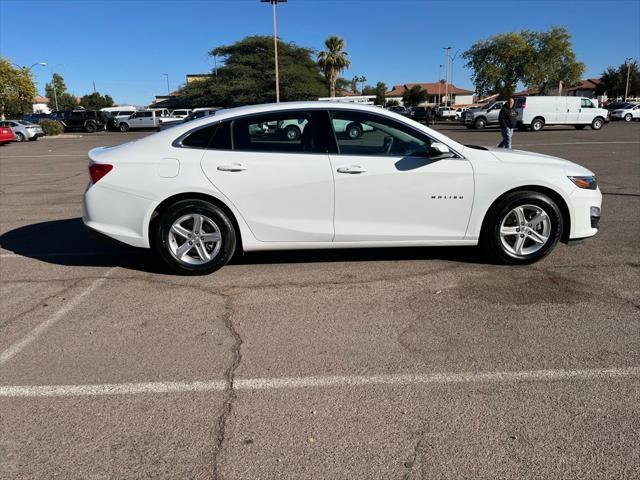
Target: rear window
(213,137)
(519,102)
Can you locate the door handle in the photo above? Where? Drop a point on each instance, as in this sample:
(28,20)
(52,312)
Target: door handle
(352,169)
(234,167)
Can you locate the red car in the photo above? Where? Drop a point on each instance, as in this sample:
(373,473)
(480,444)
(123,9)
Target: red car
(6,135)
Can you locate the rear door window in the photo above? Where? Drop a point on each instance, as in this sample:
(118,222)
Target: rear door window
(287,132)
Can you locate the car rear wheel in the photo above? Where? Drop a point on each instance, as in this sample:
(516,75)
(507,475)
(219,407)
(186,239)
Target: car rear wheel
(628,117)
(522,228)
(123,127)
(292,133)
(90,127)
(354,131)
(479,123)
(194,237)
(537,124)
(597,123)
(20,137)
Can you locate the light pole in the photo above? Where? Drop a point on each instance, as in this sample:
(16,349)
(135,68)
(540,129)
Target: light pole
(446,70)
(53,83)
(168,89)
(452,59)
(439,83)
(42,64)
(275,42)
(627,61)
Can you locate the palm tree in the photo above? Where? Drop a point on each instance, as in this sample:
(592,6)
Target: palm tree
(414,96)
(332,61)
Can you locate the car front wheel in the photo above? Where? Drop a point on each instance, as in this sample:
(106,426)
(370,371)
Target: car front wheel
(628,117)
(19,137)
(597,124)
(194,237)
(522,228)
(123,127)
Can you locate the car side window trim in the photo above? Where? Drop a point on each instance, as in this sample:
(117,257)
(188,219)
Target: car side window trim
(410,127)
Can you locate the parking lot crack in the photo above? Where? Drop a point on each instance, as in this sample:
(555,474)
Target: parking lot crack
(230,392)
(410,463)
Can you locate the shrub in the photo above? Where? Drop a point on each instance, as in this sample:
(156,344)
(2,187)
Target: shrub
(51,127)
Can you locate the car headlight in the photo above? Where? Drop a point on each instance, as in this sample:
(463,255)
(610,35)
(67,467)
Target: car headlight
(588,183)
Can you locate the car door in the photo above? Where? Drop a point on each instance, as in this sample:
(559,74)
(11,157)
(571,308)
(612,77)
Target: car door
(587,111)
(281,184)
(387,187)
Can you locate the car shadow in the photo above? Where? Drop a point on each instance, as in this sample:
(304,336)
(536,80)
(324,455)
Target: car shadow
(69,243)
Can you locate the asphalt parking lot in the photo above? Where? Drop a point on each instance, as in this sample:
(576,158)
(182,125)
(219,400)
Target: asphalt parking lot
(386,363)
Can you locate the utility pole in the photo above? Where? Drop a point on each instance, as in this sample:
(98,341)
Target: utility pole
(627,61)
(275,42)
(94,86)
(446,69)
(439,83)
(215,65)
(168,89)
(53,84)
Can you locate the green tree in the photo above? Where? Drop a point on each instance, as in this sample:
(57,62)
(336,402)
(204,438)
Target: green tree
(614,80)
(414,96)
(355,81)
(57,89)
(248,76)
(551,60)
(332,61)
(342,84)
(95,101)
(381,90)
(17,90)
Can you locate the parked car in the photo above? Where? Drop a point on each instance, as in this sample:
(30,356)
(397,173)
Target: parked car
(400,110)
(117,114)
(459,111)
(614,105)
(181,113)
(421,115)
(537,111)
(626,112)
(142,119)
(23,130)
(89,121)
(36,117)
(446,113)
(482,116)
(6,135)
(205,189)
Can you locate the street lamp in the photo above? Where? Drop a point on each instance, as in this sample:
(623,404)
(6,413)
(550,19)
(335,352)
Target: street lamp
(168,89)
(439,83)
(452,59)
(446,75)
(42,64)
(275,42)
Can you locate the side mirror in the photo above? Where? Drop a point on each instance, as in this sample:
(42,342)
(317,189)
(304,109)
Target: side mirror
(439,150)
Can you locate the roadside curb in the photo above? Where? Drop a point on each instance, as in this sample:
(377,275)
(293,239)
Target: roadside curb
(52,137)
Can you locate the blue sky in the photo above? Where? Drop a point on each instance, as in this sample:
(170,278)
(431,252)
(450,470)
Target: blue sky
(126,45)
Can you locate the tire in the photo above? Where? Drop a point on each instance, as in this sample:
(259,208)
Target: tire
(90,127)
(292,133)
(537,124)
(167,241)
(479,124)
(628,117)
(123,127)
(469,127)
(597,123)
(508,241)
(579,127)
(33,139)
(354,131)
(20,137)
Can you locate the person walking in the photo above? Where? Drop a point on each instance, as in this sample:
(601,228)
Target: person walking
(508,120)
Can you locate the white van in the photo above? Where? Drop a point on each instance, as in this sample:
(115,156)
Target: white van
(536,112)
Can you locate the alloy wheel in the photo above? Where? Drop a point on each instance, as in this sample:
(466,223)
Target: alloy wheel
(525,230)
(194,239)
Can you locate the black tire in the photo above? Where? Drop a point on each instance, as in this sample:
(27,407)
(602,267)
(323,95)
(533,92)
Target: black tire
(597,123)
(628,117)
(33,139)
(123,127)
(579,127)
(90,127)
(537,124)
(162,243)
(292,133)
(490,237)
(20,137)
(354,131)
(479,124)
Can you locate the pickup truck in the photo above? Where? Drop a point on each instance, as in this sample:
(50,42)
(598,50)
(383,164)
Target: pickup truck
(151,118)
(483,116)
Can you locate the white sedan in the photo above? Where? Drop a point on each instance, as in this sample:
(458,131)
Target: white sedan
(627,113)
(200,191)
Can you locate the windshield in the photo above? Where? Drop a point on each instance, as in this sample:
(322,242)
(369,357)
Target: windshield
(24,122)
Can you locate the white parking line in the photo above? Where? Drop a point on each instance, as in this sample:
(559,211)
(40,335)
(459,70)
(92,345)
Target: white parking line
(53,255)
(568,143)
(70,155)
(316,382)
(18,346)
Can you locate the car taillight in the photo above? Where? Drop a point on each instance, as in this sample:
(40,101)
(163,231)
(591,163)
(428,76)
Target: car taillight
(99,170)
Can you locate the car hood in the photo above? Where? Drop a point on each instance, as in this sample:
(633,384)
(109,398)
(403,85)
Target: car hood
(532,158)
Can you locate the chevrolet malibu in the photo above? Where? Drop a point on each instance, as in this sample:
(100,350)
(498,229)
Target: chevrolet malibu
(200,191)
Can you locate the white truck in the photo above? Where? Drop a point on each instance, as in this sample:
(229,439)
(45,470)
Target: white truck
(536,112)
(149,118)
